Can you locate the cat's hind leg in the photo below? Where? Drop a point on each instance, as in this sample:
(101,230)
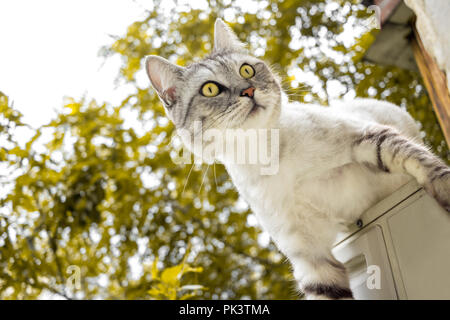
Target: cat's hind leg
(321,277)
(307,241)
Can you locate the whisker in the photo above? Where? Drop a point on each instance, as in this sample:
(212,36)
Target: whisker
(220,116)
(232,110)
(203,179)
(187,179)
(215,177)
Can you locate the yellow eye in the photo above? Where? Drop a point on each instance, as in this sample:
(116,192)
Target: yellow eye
(247,71)
(210,89)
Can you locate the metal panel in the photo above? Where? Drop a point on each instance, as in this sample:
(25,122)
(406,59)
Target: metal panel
(420,235)
(407,235)
(367,264)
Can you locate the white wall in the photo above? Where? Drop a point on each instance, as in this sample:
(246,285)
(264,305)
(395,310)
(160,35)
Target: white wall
(433,25)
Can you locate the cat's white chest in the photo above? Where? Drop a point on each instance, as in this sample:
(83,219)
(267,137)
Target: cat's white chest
(270,197)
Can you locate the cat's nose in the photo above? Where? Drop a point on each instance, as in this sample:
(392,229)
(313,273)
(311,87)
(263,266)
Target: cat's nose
(248,92)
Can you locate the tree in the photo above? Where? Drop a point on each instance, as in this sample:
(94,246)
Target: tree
(97,188)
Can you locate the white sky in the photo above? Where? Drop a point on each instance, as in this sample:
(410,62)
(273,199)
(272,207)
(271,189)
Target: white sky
(49,49)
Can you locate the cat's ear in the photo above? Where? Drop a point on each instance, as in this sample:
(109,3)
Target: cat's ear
(225,38)
(163,76)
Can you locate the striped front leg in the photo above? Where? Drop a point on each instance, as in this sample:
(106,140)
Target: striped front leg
(389,151)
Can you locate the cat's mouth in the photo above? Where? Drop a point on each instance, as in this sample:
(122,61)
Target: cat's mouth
(255,108)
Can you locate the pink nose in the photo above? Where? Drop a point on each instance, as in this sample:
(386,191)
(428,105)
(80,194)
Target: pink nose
(248,92)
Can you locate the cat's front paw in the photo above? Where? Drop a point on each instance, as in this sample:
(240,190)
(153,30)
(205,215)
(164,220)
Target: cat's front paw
(439,187)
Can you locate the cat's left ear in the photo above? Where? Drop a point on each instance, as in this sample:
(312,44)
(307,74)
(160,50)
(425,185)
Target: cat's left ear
(225,38)
(163,76)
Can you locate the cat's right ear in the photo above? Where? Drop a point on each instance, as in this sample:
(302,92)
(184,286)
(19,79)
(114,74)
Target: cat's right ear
(225,38)
(163,76)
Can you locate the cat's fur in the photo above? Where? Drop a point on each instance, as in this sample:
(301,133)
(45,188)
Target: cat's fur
(334,162)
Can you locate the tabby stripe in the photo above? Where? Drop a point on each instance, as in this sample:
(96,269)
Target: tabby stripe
(206,67)
(216,54)
(382,137)
(331,291)
(428,164)
(436,170)
(397,145)
(443,174)
(221,61)
(187,110)
(440,175)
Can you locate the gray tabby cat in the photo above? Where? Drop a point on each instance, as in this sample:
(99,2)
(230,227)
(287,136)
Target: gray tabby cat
(334,163)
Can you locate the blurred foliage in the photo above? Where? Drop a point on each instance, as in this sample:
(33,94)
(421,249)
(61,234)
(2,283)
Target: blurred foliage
(97,187)
(168,282)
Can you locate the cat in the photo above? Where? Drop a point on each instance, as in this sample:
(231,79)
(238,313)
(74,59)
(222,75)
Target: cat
(334,162)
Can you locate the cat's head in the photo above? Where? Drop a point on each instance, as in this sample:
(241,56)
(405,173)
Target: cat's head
(227,89)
